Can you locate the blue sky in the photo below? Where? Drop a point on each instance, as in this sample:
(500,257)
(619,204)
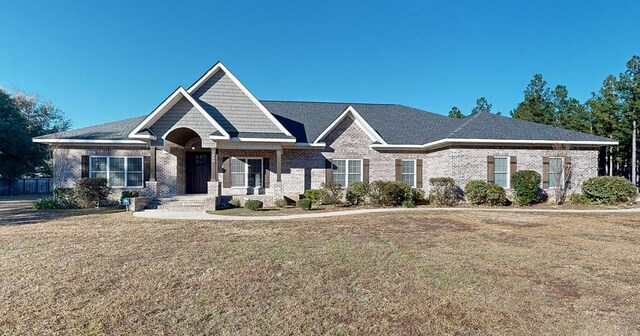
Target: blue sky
(106,60)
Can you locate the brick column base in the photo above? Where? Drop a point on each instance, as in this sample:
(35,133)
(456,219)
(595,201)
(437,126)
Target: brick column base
(152,189)
(278,190)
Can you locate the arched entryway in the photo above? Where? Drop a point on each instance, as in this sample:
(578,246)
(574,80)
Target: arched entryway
(195,166)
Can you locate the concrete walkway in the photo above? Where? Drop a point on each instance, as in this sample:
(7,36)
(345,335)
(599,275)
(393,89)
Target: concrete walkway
(157,214)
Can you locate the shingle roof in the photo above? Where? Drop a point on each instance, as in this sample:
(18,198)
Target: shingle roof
(396,124)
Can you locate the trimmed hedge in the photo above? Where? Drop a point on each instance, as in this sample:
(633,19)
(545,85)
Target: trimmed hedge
(304,204)
(331,193)
(312,194)
(526,186)
(253,205)
(88,192)
(609,190)
(443,191)
(280,202)
(480,192)
(357,193)
(389,193)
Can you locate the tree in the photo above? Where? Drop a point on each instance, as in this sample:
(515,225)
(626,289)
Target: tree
(629,90)
(537,105)
(568,112)
(23,117)
(606,115)
(455,113)
(482,105)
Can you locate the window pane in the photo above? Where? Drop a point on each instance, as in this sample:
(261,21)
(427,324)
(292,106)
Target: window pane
(408,166)
(134,179)
(355,178)
(98,164)
(555,172)
(500,171)
(500,179)
(339,179)
(237,179)
(134,164)
(500,164)
(237,165)
(116,179)
(255,173)
(116,164)
(355,166)
(99,175)
(339,166)
(408,179)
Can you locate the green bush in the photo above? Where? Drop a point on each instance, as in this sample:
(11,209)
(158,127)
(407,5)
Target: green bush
(280,203)
(408,204)
(128,194)
(304,204)
(331,193)
(418,195)
(357,193)
(313,195)
(578,198)
(526,186)
(65,198)
(47,203)
(389,193)
(88,192)
(609,190)
(253,205)
(443,191)
(476,192)
(496,195)
(234,203)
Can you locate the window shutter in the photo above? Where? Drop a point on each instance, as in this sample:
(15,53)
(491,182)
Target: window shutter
(85,166)
(513,165)
(567,171)
(398,170)
(266,173)
(365,170)
(146,161)
(328,171)
(419,173)
(490,169)
(545,172)
(226,177)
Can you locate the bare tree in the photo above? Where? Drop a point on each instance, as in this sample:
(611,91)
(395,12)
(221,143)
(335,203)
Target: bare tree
(563,172)
(61,165)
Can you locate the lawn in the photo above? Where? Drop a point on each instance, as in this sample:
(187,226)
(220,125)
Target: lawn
(398,273)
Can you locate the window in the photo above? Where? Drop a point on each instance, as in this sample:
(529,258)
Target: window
(501,171)
(120,172)
(408,172)
(346,172)
(556,172)
(246,172)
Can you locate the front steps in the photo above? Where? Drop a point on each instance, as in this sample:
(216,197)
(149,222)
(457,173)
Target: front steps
(183,203)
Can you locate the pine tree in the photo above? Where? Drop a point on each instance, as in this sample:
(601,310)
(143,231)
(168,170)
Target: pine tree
(455,113)
(482,105)
(568,112)
(537,105)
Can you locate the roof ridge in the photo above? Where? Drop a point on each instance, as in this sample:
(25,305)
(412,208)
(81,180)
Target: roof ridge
(322,102)
(465,123)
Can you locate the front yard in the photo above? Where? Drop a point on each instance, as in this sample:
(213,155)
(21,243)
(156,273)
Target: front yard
(404,273)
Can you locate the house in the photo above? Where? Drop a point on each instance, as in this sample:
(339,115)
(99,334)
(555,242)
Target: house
(216,138)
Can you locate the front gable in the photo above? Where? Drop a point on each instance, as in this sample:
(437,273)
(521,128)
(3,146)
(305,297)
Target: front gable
(347,137)
(183,115)
(351,117)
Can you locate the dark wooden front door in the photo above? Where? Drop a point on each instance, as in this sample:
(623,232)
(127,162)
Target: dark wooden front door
(198,172)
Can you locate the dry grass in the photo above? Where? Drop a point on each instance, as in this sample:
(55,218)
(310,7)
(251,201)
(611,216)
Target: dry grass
(405,273)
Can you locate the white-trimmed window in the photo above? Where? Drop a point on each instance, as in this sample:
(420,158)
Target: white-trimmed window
(346,171)
(501,171)
(120,171)
(556,172)
(246,172)
(408,172)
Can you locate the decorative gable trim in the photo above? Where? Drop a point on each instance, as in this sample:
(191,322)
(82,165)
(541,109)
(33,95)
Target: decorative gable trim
(220,67)
(165,106)
(350,111)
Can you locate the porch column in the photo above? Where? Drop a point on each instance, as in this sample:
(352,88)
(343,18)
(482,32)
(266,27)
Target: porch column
(278,165)
(152,164)
(214,165)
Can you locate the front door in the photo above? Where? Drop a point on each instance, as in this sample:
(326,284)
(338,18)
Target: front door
(198,172)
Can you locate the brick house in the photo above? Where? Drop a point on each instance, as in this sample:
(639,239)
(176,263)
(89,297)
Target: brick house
(216,138)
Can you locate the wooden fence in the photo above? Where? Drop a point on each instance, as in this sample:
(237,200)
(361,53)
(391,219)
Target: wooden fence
(26,186)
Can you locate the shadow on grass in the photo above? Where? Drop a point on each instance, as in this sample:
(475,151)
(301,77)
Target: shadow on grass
(20,213)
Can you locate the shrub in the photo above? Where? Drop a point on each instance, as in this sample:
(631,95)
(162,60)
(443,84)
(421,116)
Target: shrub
(496,195)
(312,194)
(281,203)
(609,190)
(357,192)
(418,195)
(387,193)
(65,198)
(443,191)
(88,192)
(476,192)
(304,204)
(408,204)
(253,205)
(331,193)
(526,186)
(234,202)
(47,203)
(578,198)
